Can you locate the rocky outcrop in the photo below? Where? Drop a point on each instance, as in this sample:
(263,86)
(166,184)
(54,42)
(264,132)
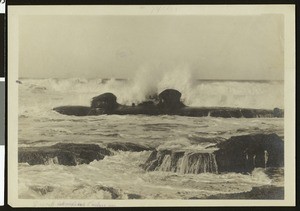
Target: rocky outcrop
(105,103)
(244,153)
(127,146)
(73,110)
(238,154)
(277,112)
(168,103)
(68,154)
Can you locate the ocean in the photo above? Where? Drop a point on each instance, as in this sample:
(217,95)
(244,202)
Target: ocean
(121,173)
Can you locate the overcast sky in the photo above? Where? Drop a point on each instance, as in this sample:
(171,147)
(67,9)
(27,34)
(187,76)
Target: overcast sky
(213,47)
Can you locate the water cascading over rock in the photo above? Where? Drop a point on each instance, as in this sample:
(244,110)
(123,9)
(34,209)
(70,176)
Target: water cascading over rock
(181,162)
(239,154)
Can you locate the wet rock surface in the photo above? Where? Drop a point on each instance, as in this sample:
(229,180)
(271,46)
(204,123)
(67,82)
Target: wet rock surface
(244,153)
(68,154)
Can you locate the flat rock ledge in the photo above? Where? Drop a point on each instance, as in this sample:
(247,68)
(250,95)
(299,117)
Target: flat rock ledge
(68,154)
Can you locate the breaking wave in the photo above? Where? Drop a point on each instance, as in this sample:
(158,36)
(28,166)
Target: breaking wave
(250,94)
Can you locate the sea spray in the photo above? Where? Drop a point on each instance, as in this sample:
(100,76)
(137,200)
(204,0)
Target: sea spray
(246,94)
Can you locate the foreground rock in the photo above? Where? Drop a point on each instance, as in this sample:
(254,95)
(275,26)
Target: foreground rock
(244,153)
(127,146)
(168,102)
(238,154)
(263,192)
(68,154)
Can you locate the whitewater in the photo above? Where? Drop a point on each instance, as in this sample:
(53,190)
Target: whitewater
(120,176)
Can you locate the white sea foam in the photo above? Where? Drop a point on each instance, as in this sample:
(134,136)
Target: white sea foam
(121,175)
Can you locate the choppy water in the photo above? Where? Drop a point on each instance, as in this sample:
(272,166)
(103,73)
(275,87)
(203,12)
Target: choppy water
(120,175)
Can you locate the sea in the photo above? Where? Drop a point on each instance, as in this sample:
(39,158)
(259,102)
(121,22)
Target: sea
(121,173)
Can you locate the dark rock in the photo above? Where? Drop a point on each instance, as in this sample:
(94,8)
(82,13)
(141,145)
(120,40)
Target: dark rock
(169,100)
(248,113)
(220,113)
(127,146)
(244,153)
(193,111)
(277,112)
(62,153)
(134,196)
(264,113)
(73,110)
(236,113)
(135,110)
(106,103)
(148,104)
(263,192)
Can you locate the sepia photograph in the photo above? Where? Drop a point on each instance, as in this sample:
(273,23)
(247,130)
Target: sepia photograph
(151,105)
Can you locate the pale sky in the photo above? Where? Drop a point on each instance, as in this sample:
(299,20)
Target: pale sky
(213,47)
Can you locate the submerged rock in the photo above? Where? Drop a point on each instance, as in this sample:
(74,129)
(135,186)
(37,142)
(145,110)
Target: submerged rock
(244,153)
(127,146)
(68,154)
